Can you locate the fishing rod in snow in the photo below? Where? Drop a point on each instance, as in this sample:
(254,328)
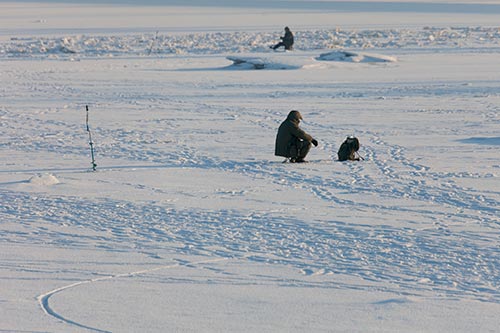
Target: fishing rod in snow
(91,143)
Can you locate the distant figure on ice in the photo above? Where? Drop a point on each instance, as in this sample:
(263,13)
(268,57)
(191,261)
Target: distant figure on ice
(286,41)
(291,141)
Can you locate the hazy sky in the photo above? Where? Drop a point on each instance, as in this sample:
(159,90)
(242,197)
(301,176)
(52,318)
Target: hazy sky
(418,6)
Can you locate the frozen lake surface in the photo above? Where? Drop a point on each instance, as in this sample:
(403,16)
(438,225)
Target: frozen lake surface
(190,223)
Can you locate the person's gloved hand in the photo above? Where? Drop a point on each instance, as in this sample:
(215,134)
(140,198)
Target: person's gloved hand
(315,142)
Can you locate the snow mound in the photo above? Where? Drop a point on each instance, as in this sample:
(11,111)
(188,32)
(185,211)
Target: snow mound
(44,179)
(355,57)
(270,62)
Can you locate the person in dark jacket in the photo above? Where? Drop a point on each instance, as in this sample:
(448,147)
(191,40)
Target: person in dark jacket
(286,40)
(291,141)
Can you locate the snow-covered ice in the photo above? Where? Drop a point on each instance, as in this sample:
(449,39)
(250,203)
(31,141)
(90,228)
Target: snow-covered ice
(190,223)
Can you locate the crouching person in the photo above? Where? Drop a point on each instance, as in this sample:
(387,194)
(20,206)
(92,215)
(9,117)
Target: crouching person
(291,141)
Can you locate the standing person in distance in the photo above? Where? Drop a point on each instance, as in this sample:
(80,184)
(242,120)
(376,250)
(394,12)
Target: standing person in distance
(291,141)
(286,40)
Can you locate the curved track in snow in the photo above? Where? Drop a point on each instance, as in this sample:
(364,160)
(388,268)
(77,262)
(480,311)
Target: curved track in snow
(43,299)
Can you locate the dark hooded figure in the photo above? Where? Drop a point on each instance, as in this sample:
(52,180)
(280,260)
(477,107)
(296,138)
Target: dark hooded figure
(286,41)
(291,141)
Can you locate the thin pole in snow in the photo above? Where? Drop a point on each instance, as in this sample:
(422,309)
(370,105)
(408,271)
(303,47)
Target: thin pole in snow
(91,143)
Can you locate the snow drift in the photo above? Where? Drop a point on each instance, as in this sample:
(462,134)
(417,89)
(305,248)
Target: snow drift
(44,180)
(356,57)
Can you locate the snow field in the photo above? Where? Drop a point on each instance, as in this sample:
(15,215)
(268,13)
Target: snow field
(191,223)
(191,172)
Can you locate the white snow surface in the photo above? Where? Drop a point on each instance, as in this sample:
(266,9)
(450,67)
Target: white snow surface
(191,224)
